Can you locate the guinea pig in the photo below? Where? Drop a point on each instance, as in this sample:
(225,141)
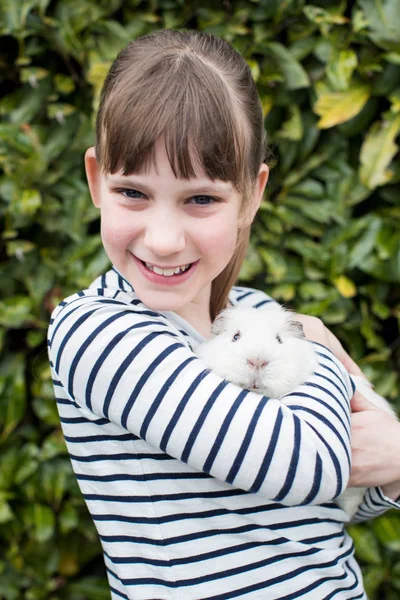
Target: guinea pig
(265,350)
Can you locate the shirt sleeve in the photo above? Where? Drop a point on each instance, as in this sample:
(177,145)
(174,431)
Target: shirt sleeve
(374,504)
(128,365)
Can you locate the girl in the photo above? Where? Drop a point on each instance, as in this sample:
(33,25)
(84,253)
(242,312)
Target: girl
(198,489)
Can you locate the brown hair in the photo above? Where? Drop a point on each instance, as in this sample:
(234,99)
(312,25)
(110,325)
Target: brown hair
(196,92)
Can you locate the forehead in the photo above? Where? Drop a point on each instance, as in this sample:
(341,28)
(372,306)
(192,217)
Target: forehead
(160,168)
(261,320)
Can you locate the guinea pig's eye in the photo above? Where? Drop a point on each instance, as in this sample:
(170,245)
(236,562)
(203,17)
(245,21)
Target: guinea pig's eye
(236,337)
(279,339)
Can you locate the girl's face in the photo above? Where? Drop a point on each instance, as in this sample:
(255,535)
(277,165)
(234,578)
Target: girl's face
(153,225)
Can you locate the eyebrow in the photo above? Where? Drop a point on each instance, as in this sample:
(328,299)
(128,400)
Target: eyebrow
(220,187)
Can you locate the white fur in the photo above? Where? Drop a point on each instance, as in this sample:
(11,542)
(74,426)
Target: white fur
(258,330)
(290,363)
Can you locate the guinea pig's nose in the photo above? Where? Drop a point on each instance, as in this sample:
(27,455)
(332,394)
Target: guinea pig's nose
(257,363)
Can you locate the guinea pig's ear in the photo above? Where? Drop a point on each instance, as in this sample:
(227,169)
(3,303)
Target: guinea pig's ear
(295,328)
(220,323)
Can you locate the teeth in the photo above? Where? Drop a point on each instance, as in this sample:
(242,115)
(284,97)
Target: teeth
(167,272)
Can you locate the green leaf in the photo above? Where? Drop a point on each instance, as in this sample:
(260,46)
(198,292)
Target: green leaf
(372,579)
(340,70)
(321,16)
(387,271)
(365,244)
(19,248)
(306,248)
(53,445)
(395,100)
(252,266)
(60,111)
(46,410)
(295,75)
(54,479)
(14,15)
(32,75)
(26,102)
(383,21)
(275,263)
(392,57)
(12,392)
(362,121)
(27,463)
(88,588)
(366,545)
(378,150)
(320,211)
(387,530)
(15,311)
(313,290)
(284,292)
(254,68)
(40,519)
(27,204)
(6,513)
(292,129)
(339,107)
(310,188)
(387,81)
(96,75)
(64,84)
(69,518)
(345,286)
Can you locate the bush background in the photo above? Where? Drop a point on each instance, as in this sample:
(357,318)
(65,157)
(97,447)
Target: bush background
(326,241)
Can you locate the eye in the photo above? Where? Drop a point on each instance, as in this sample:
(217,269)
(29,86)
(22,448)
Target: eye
(132,194)
(236,337)
(202,200)
(279,339)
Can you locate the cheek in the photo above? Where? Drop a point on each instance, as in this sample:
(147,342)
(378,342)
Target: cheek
(116,229)
(220,235)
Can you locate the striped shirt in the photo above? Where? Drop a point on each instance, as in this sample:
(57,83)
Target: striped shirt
(200,489)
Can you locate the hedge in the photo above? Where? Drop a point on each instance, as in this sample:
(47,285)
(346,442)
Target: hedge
(326,241)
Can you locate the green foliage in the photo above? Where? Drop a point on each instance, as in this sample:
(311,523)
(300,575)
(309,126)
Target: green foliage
(326,241)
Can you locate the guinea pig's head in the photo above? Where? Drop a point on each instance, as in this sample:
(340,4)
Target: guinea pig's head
(260,349)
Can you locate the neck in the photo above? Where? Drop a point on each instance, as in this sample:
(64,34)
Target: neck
(197,313)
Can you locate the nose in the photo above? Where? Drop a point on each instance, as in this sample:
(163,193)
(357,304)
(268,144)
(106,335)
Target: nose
(164,235)
(257,363)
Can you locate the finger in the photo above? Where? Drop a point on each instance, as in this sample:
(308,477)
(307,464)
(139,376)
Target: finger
(351,366)
(359,403)
(342,355)
(349,363)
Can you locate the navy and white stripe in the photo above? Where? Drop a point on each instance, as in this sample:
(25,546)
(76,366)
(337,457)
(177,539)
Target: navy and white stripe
(200,489)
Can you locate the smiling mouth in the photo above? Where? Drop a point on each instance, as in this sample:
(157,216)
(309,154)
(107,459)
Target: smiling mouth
(167,272)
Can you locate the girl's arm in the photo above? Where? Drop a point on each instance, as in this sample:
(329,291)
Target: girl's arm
(375,437)
(375,452)
(128,365)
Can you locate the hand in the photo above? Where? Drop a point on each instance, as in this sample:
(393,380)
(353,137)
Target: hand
(316,331)
(375,447)
(375,434)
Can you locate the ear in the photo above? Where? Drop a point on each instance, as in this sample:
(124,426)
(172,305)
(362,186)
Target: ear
(295,328)
(259,188)
(93,175)
(220,322)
